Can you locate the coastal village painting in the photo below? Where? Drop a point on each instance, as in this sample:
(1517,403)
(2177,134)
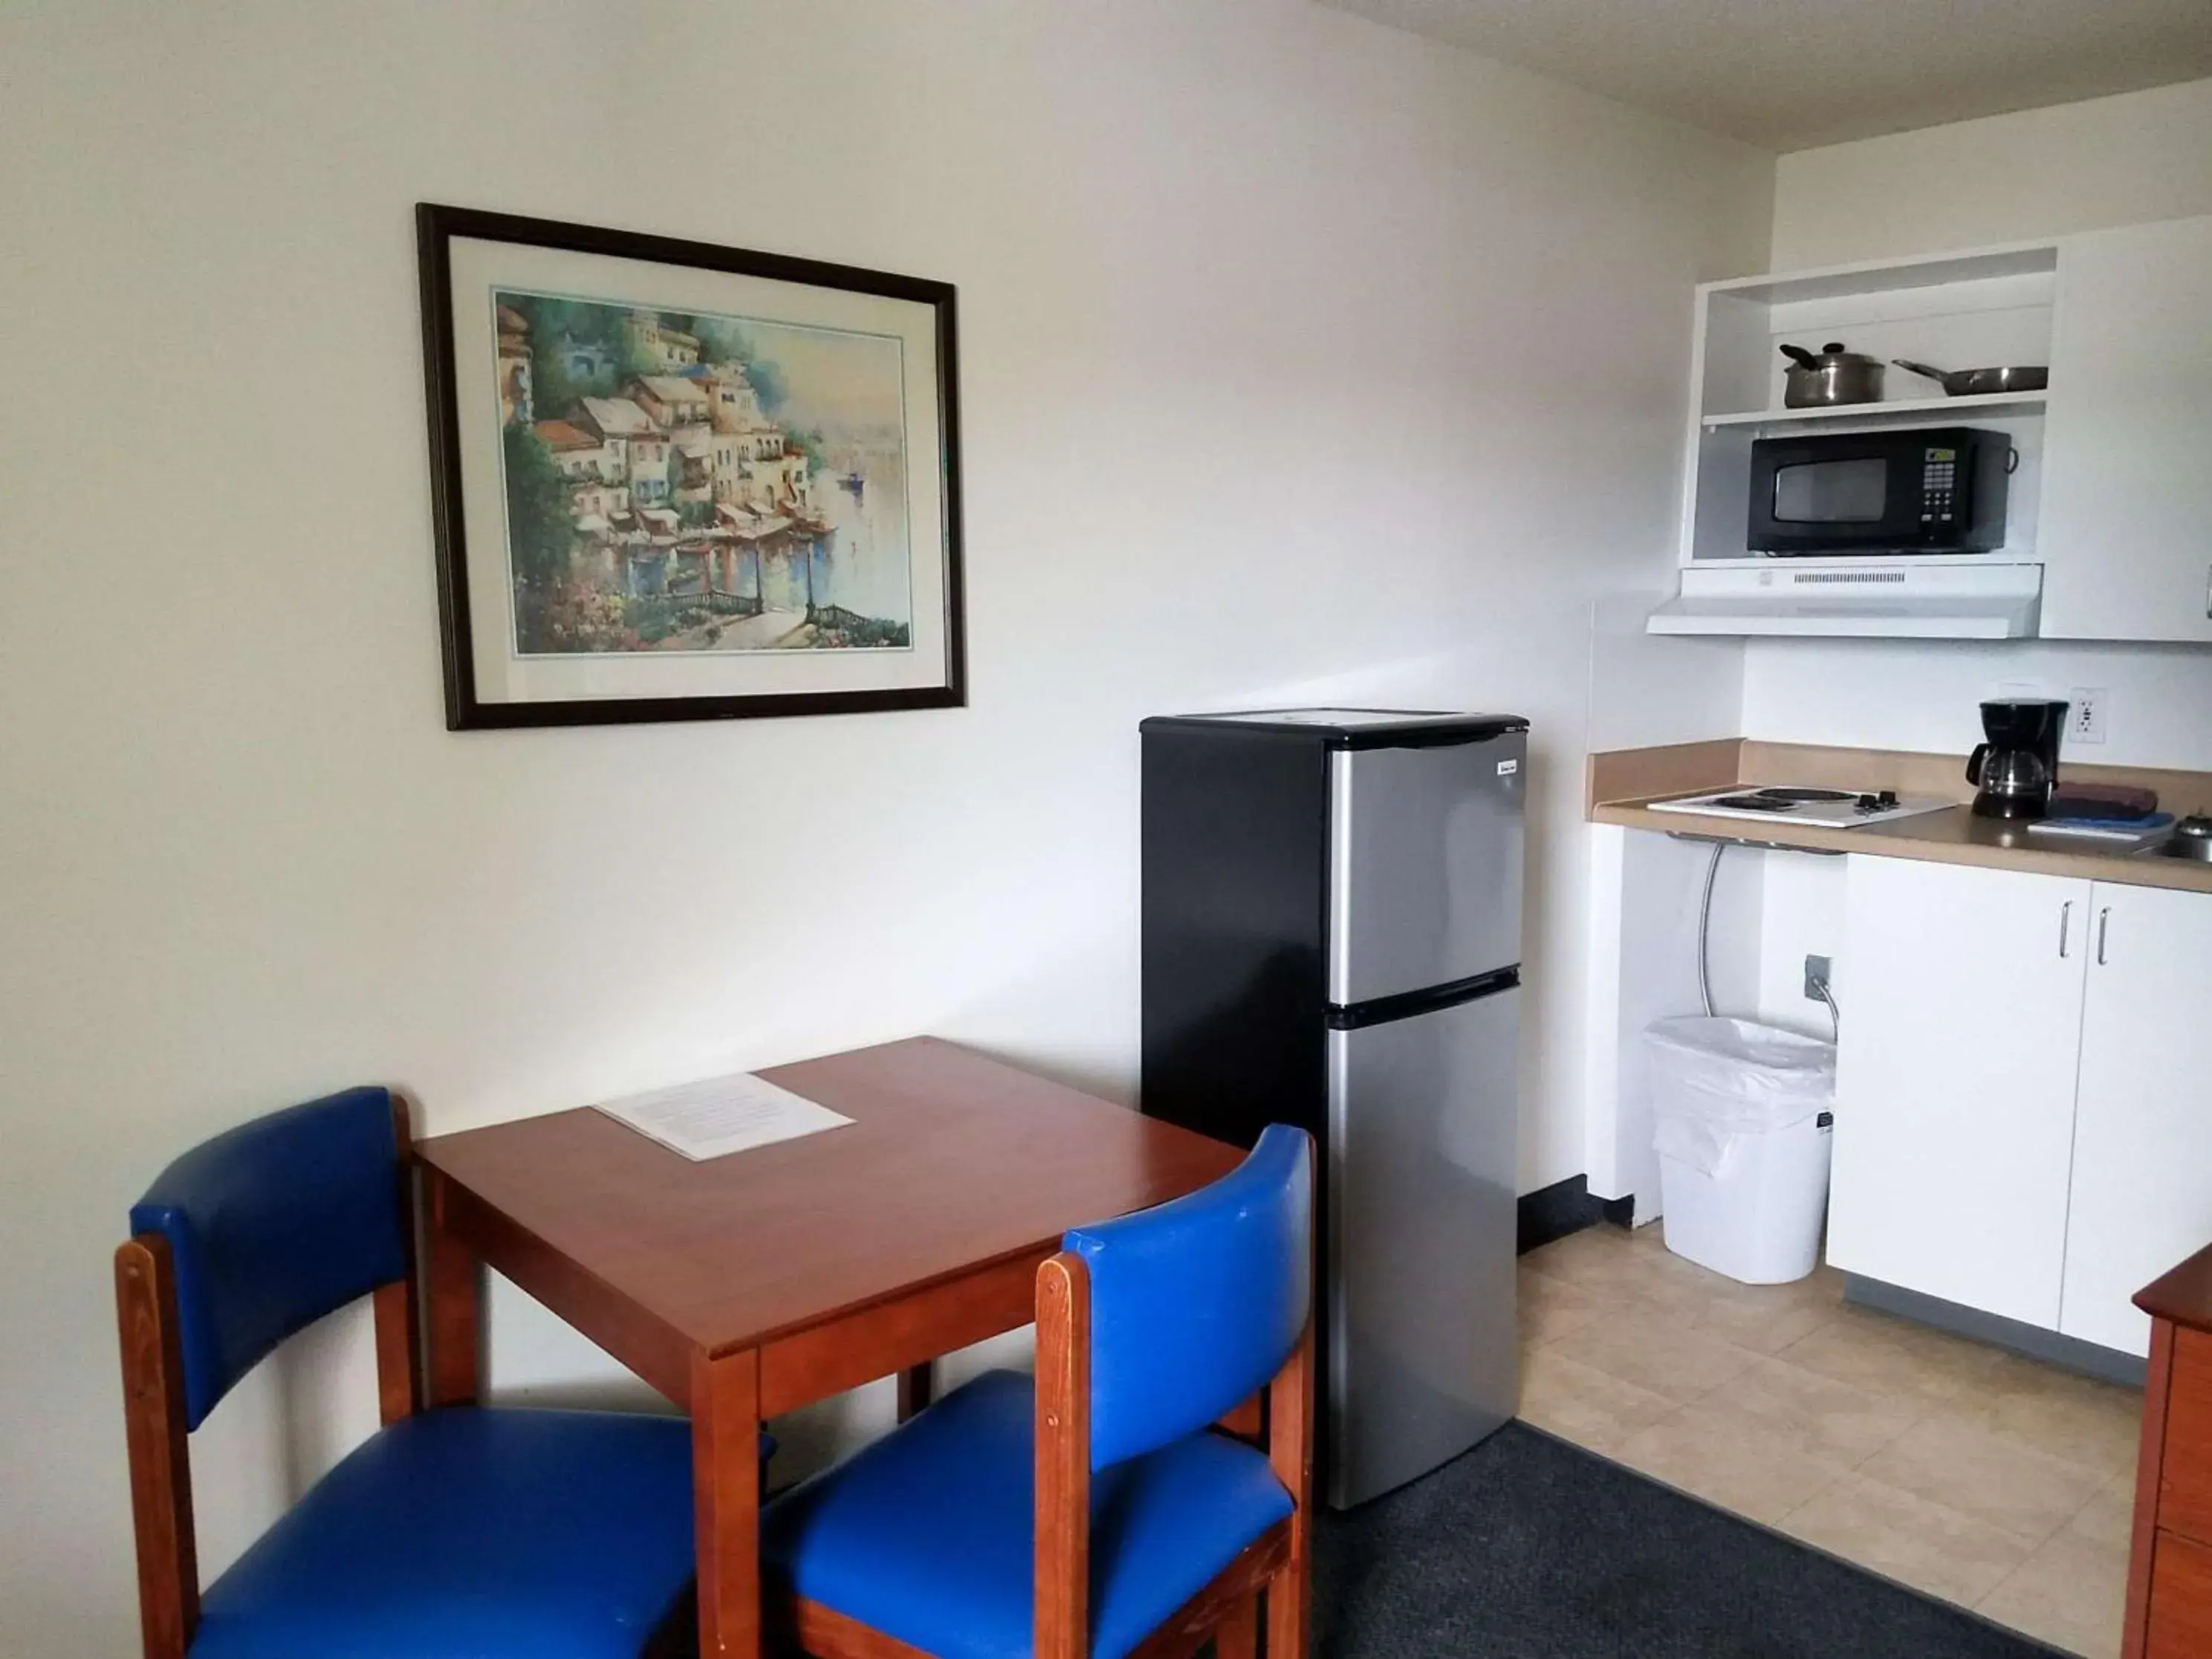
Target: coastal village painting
(686,482)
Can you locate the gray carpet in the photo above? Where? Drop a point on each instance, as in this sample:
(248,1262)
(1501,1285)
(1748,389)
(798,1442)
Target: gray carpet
(1527,1547)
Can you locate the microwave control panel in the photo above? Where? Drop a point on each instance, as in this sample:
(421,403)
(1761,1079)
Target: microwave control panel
(1938,484)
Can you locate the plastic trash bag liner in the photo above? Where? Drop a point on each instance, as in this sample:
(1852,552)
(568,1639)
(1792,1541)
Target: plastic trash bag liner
(1714,1081)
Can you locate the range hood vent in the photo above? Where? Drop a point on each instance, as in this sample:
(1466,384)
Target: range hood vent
(1895,599)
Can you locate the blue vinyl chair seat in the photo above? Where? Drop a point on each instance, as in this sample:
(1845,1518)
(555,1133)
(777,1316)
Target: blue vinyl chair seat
(472,1534)
(928,1534)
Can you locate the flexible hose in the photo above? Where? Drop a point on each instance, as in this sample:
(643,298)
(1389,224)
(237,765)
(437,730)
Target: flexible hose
(1705,952)
(1706,930)
(1835,1014)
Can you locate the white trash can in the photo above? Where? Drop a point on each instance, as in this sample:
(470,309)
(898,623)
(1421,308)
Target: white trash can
(1743,1113)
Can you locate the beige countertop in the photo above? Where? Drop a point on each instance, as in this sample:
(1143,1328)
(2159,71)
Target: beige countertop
(1623,782)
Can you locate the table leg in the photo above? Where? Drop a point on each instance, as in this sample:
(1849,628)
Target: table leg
(726,1502)
(917,1387)
(453,1290)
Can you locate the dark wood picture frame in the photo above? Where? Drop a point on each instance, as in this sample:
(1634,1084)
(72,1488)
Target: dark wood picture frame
(436,227)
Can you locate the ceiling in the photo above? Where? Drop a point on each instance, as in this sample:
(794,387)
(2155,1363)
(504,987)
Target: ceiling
(1792,74)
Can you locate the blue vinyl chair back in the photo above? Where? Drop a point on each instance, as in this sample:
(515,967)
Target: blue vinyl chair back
(273,1225)
(1195,1304)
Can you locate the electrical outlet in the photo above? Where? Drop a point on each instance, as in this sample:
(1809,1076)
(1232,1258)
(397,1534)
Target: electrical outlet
(1817,969)
(2085,720)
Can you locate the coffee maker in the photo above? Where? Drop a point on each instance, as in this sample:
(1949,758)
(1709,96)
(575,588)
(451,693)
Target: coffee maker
(2014,770)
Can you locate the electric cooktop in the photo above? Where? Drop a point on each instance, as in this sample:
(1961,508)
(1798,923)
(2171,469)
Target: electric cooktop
(1826,809)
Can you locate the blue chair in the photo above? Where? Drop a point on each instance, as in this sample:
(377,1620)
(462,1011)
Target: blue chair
(557,1535)
(1098,1514)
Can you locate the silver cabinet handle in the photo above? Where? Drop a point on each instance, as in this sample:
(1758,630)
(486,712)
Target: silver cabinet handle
(2103,916)
(2208,590)
(2065,924)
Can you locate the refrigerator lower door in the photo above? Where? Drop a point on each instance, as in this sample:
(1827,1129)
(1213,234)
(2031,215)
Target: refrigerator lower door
(1420,1345)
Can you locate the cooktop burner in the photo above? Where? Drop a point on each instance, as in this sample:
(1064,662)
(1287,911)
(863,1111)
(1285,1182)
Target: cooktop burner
(1769,801)
(1837,809)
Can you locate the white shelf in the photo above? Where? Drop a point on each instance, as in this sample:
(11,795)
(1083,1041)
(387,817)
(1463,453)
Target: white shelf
(2018,403)
(1889,276)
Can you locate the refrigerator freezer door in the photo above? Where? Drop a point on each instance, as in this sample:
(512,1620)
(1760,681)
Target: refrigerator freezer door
(1425,853)
(1421,1352)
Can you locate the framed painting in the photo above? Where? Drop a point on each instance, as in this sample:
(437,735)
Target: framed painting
(677,481)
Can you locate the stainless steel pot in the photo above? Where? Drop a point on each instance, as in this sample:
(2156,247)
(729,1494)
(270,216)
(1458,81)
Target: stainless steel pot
(2191,839)
(1831,375)
(1978,382)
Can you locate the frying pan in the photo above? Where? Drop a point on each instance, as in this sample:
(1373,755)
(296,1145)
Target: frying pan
(1975,382)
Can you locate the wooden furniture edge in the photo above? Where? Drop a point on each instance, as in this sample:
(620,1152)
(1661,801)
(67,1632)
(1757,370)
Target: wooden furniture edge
(825,1633)
(725,1397)
(1236,1629)
(396,1312)
(453,1298)
(1062,1609)
(913,1327)
(645,1343)
(2183,1294)
(154,1438)
(2150,1465)
(1290,1410)
(1238,1585)
(1246,1420)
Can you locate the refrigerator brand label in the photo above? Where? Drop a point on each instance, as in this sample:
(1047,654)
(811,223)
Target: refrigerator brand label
(1506,768)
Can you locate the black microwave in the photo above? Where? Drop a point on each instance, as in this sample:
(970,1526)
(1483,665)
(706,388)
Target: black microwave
(1926,489)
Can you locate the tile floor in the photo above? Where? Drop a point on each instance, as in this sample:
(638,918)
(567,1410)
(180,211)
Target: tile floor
(1973,1474)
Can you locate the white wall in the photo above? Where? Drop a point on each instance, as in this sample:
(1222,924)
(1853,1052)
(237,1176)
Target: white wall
(1651,689)
(1893,694)
(1286,339)
(2109,161)
(2118,161)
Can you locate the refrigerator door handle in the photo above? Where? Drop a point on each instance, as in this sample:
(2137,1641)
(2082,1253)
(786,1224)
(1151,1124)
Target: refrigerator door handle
(1382,1011)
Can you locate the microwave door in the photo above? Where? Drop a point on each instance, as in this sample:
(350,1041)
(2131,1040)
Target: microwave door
(1827,496)
(1842,493)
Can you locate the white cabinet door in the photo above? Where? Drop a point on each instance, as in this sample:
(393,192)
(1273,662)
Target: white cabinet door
(2142,1136)
(1961,991)
(2125,527)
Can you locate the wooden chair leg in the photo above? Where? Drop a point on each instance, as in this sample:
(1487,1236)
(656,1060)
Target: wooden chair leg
(1237,1635)
(1287,1612)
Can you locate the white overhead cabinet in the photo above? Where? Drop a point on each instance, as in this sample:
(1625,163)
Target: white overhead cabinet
(1961,998)
(2127,473)
(2021,1105)
(2109,509)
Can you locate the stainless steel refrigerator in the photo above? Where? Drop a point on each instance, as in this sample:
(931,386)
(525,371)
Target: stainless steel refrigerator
(1331,938)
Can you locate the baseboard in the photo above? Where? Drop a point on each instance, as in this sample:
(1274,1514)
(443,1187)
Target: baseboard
(1566,1206)
(2091,1359)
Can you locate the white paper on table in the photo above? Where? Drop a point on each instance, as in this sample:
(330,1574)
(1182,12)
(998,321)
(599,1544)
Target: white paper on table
(717,1115)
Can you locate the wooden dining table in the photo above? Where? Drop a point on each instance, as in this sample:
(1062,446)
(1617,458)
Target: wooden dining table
(749,1284)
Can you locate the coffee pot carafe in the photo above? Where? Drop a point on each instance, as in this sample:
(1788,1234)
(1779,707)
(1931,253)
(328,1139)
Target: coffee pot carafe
(2015,770)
